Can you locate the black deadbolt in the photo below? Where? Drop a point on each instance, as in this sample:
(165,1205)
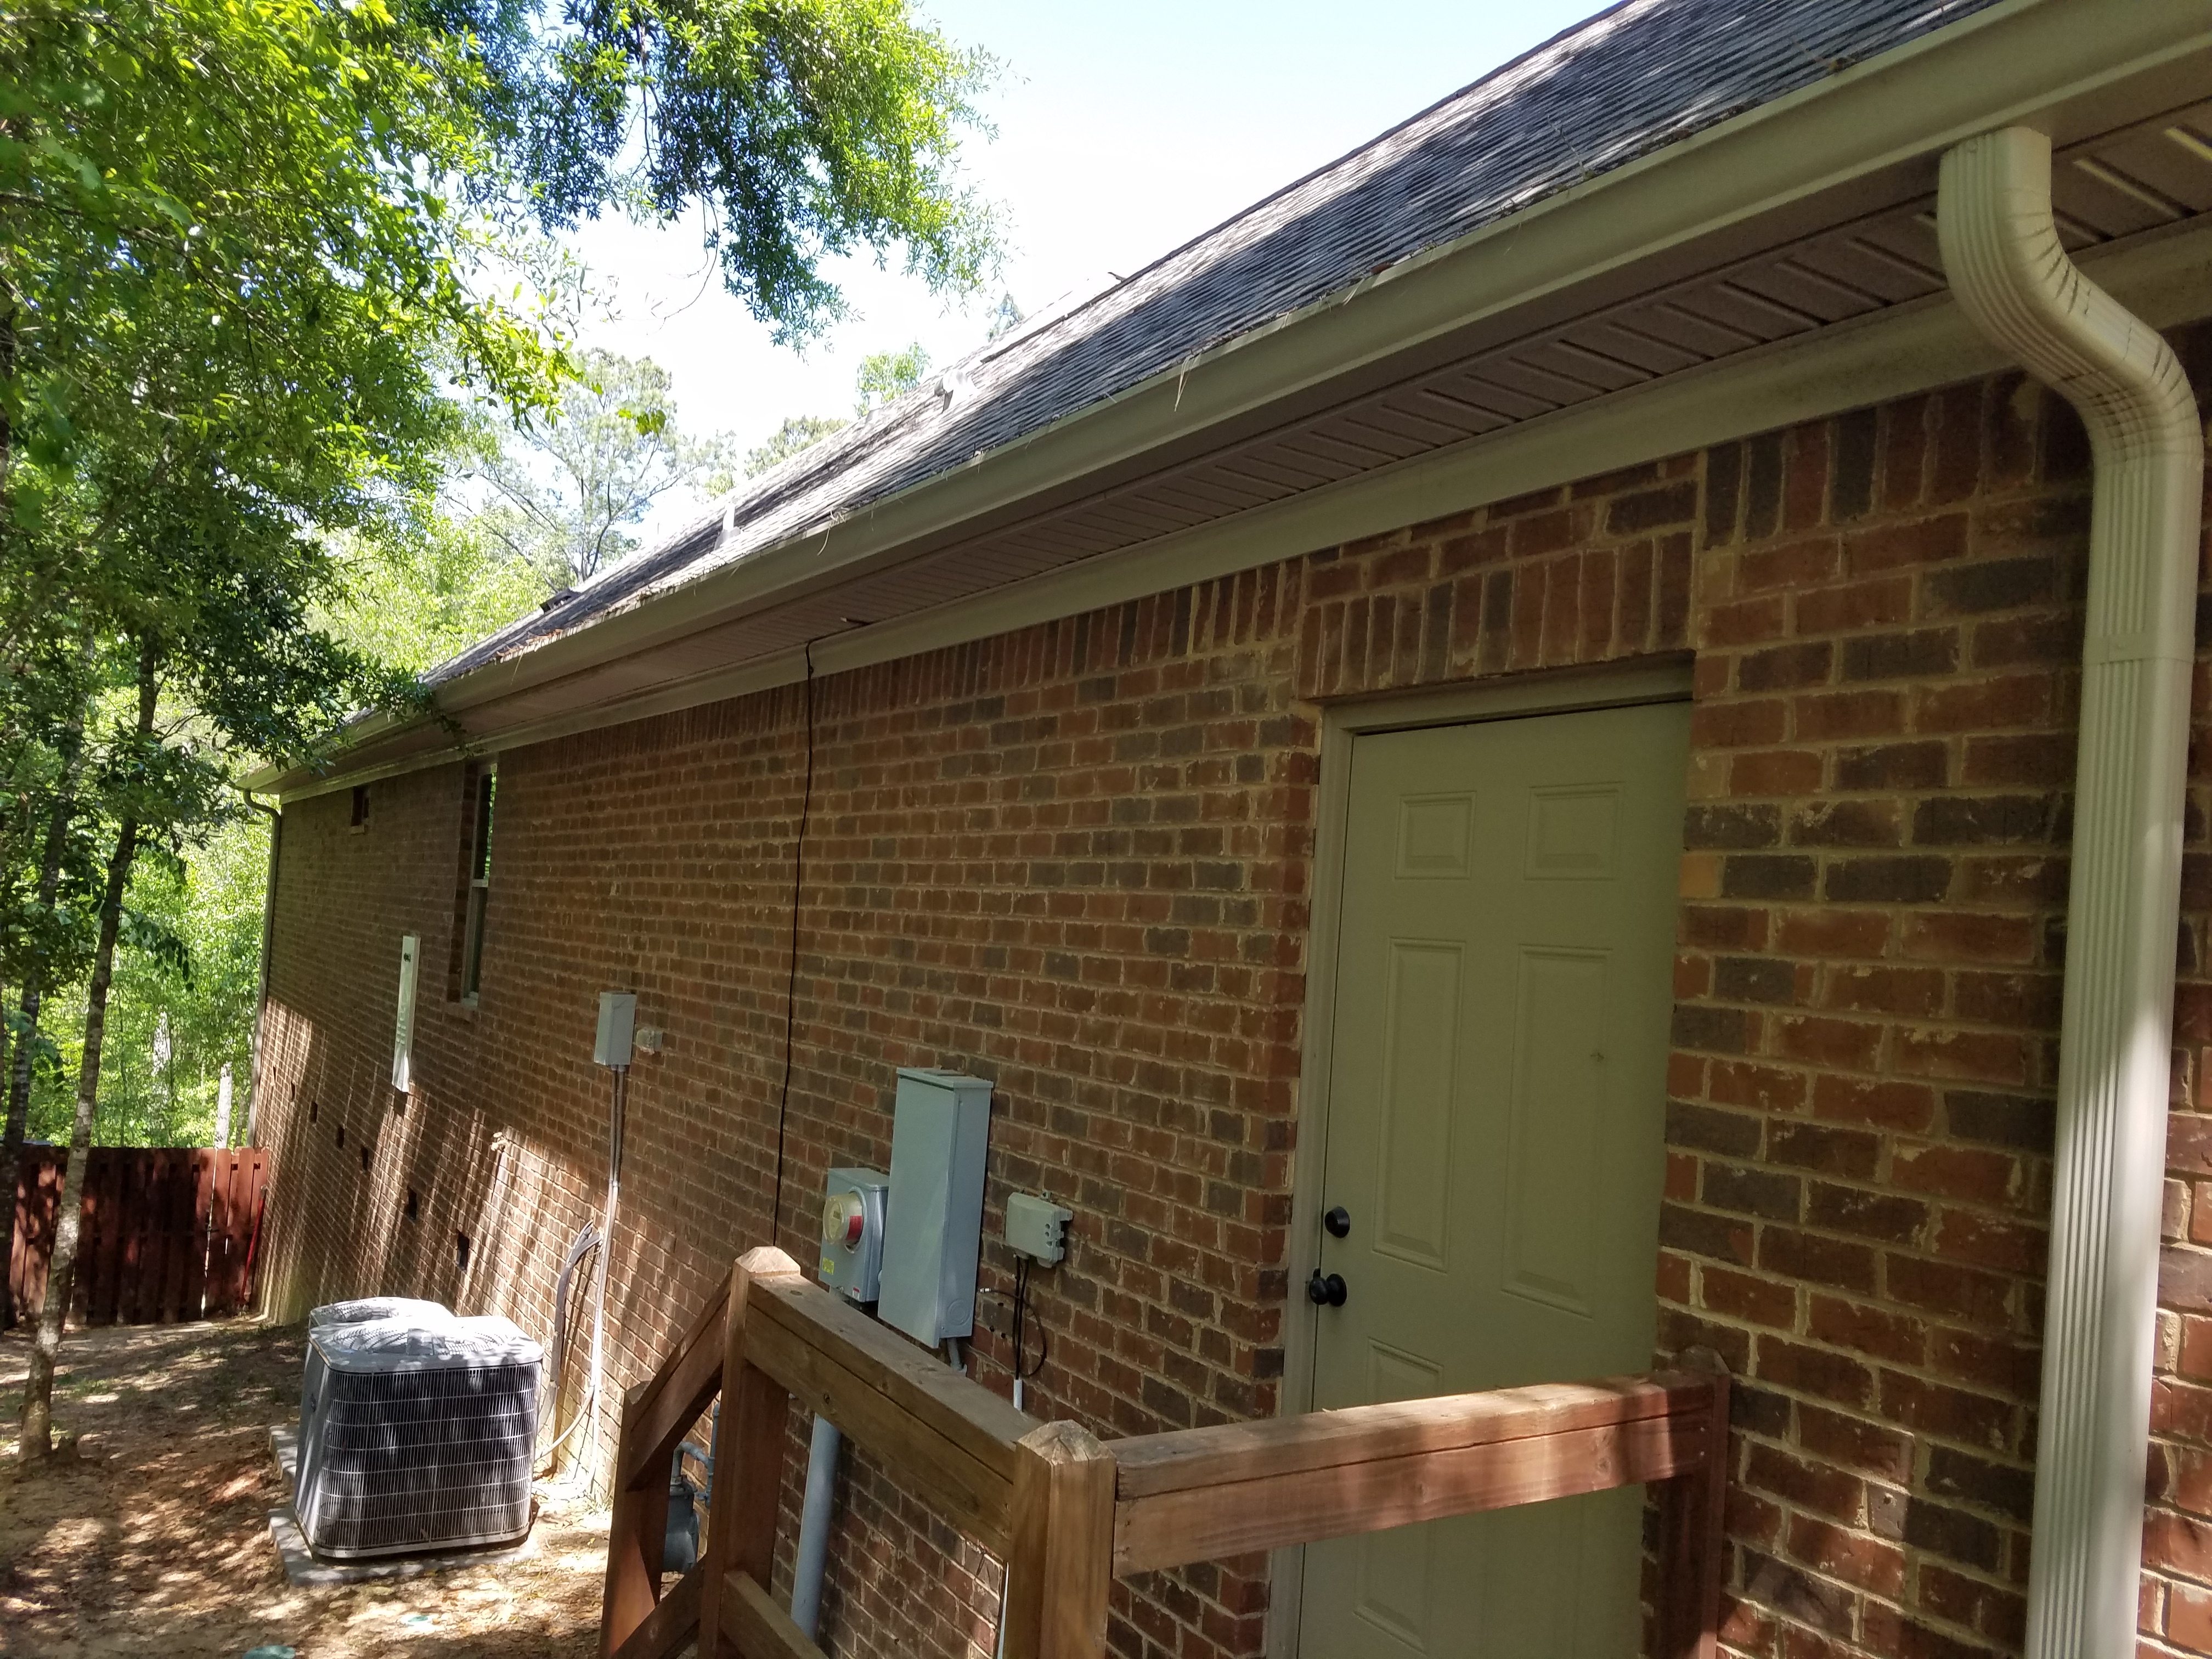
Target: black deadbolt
(1337,1223)
(1326,1291)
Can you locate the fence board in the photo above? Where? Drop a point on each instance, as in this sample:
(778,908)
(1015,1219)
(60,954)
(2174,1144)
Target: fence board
(206,1161)
(176,1235)
(167,1233)
(30,1245)
(92,1294)
(235,1234)
(142,1193)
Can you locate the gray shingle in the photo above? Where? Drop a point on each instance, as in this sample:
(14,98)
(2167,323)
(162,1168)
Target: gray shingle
(1646,73)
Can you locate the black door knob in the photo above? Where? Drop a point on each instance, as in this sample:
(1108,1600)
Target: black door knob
(1326,1290)
(1337,1223)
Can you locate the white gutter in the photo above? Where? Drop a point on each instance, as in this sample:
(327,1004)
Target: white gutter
(2014,281)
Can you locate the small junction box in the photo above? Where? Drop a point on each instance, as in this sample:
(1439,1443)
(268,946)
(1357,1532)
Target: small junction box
(1037,1228)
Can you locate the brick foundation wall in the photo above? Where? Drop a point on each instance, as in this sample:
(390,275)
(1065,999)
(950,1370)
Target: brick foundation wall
(1076,859)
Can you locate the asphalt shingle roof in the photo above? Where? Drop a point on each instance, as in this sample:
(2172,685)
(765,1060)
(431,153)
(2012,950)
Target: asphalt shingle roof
(1633,79)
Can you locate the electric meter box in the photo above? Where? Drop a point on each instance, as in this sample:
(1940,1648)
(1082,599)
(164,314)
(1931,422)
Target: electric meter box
(940,1123)
(852,1254)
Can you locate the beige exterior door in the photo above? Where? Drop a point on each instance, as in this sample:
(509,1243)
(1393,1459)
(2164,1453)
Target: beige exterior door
(1496,1102)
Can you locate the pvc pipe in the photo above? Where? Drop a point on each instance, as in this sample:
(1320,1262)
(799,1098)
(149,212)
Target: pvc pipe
(814,1526)
(2014,281)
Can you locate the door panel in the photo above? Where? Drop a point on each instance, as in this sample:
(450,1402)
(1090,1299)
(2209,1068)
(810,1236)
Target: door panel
(1554,1121)
(1414,1190)
(1496,1115)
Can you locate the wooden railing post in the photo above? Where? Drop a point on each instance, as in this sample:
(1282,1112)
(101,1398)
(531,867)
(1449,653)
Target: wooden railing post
(1062,1563)
(748,1457)
(1692,1543)
(655,1416)
(636,1535)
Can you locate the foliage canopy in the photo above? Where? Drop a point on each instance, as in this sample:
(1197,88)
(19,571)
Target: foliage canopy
(801,130)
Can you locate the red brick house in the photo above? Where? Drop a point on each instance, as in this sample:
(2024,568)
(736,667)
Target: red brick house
(1593,686)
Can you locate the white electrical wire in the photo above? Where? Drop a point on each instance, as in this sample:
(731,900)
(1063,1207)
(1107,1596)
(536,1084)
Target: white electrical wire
(589,1410)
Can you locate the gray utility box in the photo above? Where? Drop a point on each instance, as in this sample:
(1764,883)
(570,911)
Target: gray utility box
(940,1125)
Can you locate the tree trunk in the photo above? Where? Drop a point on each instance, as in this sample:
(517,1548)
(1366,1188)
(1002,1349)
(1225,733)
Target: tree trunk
(37,1441)
(19,1073)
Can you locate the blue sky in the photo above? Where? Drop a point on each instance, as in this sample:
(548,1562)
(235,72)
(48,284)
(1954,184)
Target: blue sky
(1123,131)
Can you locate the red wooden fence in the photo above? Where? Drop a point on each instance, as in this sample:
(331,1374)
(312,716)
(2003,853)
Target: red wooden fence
(169,1232)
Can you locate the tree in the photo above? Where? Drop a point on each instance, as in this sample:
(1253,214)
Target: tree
(233,311)
(245,258)
(883,376)
(802,129)
(887,376)
(46,878)
(567,493)
(414,600)
(797,433)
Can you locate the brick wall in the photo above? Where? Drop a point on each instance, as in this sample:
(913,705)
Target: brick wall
(1872,940)
(1076,859)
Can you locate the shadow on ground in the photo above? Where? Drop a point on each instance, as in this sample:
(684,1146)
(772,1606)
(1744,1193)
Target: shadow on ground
(157,1541)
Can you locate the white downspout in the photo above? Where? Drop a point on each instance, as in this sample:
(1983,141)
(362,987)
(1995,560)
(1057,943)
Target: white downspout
(2014,281)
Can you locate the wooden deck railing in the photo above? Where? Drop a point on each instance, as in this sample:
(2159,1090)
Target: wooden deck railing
(1069,1514)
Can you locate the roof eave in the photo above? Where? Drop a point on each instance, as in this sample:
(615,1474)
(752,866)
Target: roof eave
(1866,137)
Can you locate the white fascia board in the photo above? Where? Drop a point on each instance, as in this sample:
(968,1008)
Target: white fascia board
(1867,137)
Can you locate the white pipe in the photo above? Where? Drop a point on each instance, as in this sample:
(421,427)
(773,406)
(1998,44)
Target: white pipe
(814,1526)
(607,1237)
(556,1349)
(2014,281)
(588,1410)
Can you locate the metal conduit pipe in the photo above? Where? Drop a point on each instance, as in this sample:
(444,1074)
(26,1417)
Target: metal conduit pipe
(814,1526)
(2014,281)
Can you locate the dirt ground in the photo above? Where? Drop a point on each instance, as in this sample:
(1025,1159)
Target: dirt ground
(157,1541)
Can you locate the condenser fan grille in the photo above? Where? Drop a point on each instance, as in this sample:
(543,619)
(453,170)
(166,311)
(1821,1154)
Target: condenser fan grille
(416,1438)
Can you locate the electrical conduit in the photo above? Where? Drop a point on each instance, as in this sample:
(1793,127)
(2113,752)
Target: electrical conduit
(2014,281)
(814,1526)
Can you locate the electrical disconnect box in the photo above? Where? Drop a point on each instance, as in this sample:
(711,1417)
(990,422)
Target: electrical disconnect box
(940,1123)
(853,1204)
(1037,1228)
(618,1016)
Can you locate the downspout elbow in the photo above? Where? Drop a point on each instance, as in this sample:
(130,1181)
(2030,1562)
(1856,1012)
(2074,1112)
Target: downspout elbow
(2011,276)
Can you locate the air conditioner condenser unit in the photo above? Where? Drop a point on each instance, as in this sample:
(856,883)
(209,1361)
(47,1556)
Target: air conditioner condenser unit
(416,1436)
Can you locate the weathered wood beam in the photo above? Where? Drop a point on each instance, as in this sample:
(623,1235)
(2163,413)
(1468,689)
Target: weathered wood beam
(951,1440)
(1146,1464)
(672,1623)
(637,1532)
(1058,1570)
(755,1627)
(682,1388)
(749,1455)
(1359,1490)
(954,1405)
(1693,1542)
